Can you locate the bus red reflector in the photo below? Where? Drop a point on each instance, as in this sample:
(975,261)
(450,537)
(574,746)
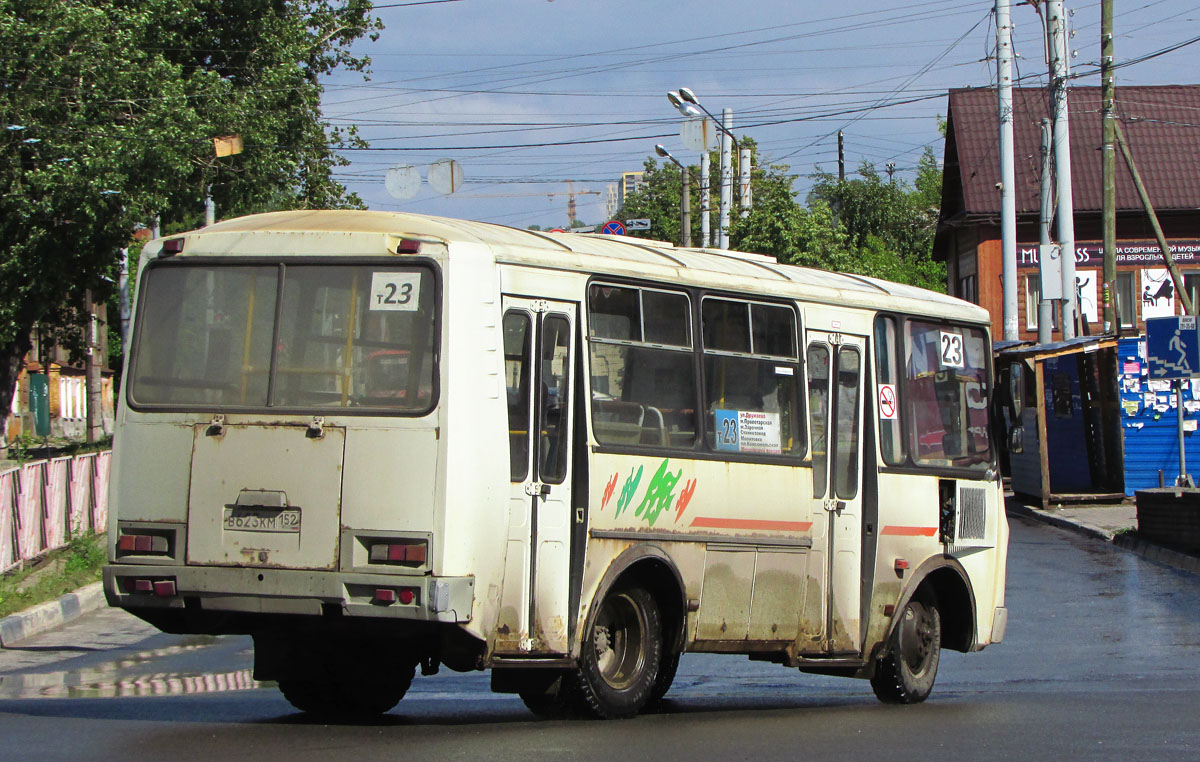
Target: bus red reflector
(901,564)
(143,586)
(408,246)
(164,588)
(407,595)
(385,595)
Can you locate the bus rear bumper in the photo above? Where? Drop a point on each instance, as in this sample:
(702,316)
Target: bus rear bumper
(421,598)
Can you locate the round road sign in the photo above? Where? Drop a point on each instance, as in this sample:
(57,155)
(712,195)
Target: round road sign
(613,227)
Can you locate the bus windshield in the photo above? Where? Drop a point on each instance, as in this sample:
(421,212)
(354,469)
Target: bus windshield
(302,337)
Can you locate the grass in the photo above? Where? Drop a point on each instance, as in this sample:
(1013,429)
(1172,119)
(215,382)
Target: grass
(57,573)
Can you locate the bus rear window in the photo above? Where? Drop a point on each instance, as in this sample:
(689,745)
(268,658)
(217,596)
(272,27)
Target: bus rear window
(946,394)
(356,337)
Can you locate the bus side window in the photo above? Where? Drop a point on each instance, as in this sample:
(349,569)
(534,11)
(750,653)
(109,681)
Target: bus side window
(752,399)
(643,376)
(887,371)
(517,337)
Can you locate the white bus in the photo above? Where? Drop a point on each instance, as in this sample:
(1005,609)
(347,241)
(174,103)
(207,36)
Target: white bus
(378,441)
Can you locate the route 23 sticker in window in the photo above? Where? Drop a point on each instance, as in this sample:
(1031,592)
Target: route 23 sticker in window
(395,291)
(950,349)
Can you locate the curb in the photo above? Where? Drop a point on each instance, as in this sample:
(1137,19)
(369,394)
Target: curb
(1047,518)
(1158,553)
(1125,541)
(47,616)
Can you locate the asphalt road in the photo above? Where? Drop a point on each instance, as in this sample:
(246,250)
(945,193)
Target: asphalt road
(1101,662)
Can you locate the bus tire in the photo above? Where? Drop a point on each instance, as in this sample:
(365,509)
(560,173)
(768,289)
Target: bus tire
(347,699)
(905,673)
(546,698)
(619,661)
(666,675)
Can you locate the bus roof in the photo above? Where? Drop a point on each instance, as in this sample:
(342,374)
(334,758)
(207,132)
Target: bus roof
(579,251)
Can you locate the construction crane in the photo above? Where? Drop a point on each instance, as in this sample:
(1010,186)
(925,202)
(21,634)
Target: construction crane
(570,193)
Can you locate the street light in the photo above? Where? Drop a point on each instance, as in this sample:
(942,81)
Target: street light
(690,106)
(685,198)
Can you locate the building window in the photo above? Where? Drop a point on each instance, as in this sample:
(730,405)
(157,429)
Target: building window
(1033,295)
(968,288)
(1191,284)
(1126,313)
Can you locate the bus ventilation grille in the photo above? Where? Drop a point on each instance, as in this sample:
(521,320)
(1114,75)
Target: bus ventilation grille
(972,513)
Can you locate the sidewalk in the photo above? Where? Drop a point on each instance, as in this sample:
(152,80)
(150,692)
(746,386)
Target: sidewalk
(1109,522)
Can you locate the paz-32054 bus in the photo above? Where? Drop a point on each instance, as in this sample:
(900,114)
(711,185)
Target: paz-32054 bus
(379,441)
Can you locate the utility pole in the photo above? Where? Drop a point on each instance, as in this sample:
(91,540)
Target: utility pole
(685,208)
(745,195)
(1049,274)
(726,177)
(91,373)
(1008,183)
(1108,169)
(705,202)
(841,156)
(1056,29)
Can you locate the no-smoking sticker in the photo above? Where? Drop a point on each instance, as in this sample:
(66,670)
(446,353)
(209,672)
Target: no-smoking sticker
(887,402)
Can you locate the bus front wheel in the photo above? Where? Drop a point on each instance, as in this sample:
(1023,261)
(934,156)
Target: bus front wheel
(905,674)
(619,661)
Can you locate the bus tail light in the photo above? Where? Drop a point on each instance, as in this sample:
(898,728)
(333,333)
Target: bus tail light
(152,544)
(408,552)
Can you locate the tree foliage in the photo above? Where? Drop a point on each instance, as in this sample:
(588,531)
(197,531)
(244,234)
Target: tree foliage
(108,109)
(866,225)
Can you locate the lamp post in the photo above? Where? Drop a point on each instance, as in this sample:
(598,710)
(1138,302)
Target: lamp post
(685,198)
(689,105)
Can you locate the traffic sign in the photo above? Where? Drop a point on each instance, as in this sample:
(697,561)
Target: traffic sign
(1172,347)
(613,227)
(887,402)
(556,230)
(640,224)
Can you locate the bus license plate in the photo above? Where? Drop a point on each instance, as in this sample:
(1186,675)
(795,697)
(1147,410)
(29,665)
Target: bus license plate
(262,519)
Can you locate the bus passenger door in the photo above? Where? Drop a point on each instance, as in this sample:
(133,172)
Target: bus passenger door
(835,381)
(538,342)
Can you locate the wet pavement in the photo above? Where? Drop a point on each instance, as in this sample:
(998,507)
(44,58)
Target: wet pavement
(1101,661)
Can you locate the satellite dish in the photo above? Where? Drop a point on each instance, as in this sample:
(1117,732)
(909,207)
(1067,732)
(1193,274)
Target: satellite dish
(445,176)
(402,181)
(698,134)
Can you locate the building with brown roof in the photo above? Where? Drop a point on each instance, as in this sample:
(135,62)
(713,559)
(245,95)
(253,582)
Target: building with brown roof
(1162,127)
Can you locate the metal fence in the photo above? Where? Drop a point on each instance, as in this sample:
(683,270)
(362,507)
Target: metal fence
(46,503)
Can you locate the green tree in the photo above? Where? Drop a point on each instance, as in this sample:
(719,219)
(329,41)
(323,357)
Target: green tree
(891,225)
(107,113)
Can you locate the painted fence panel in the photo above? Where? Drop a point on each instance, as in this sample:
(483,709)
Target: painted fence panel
(100,491)
(54,506)
(8,490)
(80,494)
(29,510)
(44,504)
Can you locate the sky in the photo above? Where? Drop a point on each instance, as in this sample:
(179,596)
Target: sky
(535,98)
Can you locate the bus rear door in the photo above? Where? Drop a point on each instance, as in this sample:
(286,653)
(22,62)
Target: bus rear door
(538,372)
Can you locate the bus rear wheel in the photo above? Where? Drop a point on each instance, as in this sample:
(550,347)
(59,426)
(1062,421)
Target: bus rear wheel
(905,674)
(619,660)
